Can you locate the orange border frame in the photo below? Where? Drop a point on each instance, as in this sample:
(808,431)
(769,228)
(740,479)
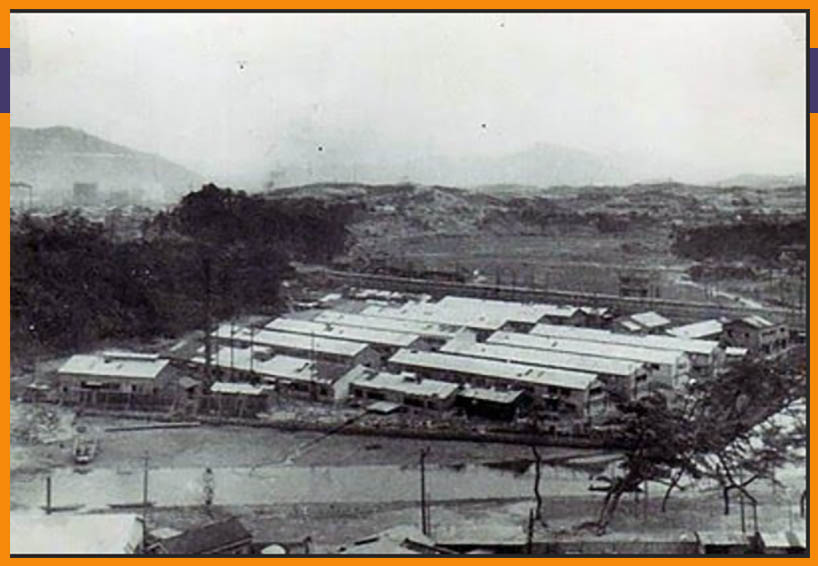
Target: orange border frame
(363,5)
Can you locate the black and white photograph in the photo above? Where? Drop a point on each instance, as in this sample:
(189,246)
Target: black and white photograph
(409,283)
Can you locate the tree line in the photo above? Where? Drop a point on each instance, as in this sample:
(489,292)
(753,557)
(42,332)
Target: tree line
(73,286)
(760,239)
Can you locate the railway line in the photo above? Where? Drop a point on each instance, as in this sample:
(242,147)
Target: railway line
(681,311)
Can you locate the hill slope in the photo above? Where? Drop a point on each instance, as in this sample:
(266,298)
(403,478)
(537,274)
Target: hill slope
(53,159)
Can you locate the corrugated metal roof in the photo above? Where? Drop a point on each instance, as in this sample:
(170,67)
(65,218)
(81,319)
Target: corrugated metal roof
(500,346)
(208,538)
(757,321)
(608,337)
(512,310)
(697,329)
(122,366)
(407,384)
(354,333)
(431,313)
(277,367)
(650,319)
(488,394)
(391,324)
(291,340)
(597,349)
(512,372)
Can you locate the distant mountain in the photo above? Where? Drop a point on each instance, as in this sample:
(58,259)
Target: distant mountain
(763,181)
(52,160)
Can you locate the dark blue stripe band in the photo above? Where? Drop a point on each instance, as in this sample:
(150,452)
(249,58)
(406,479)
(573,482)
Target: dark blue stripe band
(5,73)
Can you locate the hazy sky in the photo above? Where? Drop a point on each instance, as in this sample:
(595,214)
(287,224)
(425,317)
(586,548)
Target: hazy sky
(241,94)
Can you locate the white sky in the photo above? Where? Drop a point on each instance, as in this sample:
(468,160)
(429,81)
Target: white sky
(240,94)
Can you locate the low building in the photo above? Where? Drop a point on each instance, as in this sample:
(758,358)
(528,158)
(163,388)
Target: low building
(759,335)
(290,376)
(403,539)
(559,394)
(301,345)
(666,368)
(781,542)
(519,316)
(630,378)
(115,378)
(228,536)
(598,317)
(481,323)
(706,356)
(63,533)
(565,314)
(724,542)
(493,404)
(236,399)
(404,388)
(434,334)
(703,330)
(385,342)
(649,322)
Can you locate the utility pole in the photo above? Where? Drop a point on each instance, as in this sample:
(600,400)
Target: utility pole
(313,368)
(252,333)
(741,508)
(145,501)
(645,504)
(48,495)
(424,519)
(755,516)
(208,350)
(209,490)
(232,338)
(529,539)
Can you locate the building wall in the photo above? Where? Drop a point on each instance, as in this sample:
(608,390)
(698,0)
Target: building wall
(366,391)
(762,341)
(554,401)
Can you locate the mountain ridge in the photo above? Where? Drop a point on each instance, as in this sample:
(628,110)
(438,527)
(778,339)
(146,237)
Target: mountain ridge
(53,159)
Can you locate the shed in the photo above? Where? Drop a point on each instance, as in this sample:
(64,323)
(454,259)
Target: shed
(781,542)
(720,542)
(222,537)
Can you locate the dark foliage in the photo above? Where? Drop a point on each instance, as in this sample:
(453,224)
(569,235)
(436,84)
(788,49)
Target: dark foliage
(72,286)
(758,239)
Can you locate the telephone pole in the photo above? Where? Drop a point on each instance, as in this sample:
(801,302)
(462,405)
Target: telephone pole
(145,501)
(208,346)
(424,514)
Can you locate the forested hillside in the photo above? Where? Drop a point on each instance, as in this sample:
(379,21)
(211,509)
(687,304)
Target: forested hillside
(72,286)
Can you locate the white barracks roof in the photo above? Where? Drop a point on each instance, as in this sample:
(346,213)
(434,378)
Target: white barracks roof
(588,348)
(405,383)
(115,364)
(519,312)
(354,333)
(697,329)
(432,313)
(515,373)
(277,367)
(275,339)
(650,319)
(444,331)
(608,337)
(498,350)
